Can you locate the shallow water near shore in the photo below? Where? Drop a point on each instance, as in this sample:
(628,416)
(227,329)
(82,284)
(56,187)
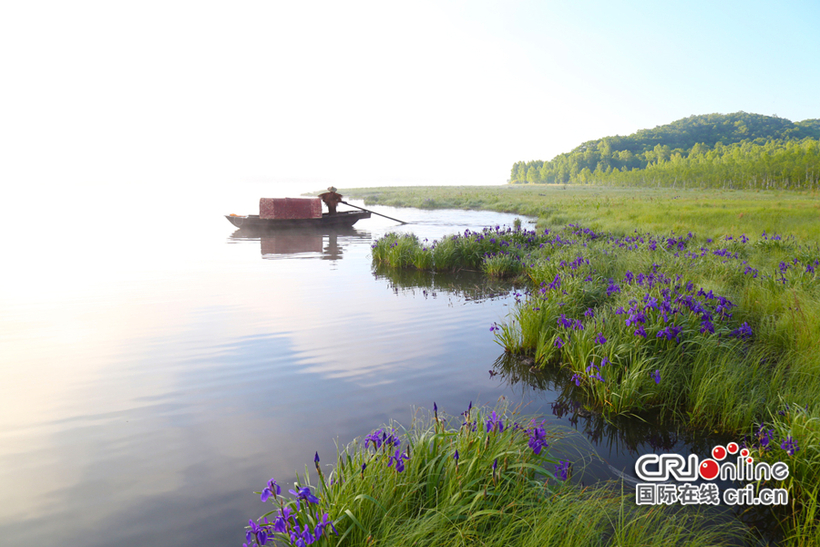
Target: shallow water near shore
(155,375)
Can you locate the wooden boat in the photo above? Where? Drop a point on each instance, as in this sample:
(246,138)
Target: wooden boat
(344,219)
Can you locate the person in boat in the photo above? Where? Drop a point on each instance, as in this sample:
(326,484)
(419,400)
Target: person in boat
(331,199)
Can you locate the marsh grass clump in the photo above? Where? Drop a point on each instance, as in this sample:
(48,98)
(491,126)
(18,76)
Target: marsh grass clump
(499,251)
(502,265)
(487,479)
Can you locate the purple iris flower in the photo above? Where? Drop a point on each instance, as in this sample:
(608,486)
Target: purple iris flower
(635,317)
(558,342)
(375,438)
(281,523)
(656,376)
(399,458)
(259,533)
(561,470)
(707,326)
(640,331)
(600,338)
(304,493)
(670,332)
(320,527)
(764,436)
(612,288)
(538,437)
(391,440)
(743,332)
(307,536)
(272,489)
(789,445)
(495,423)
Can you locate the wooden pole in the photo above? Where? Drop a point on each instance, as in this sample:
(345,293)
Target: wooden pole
(374,212)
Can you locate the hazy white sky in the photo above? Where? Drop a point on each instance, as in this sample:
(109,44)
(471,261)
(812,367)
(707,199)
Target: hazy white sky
(360,93)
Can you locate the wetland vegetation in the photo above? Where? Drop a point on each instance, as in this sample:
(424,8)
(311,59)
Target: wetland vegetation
(478,478)
(700,307)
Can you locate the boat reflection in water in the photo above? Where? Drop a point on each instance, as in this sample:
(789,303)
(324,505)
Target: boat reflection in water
(323,243)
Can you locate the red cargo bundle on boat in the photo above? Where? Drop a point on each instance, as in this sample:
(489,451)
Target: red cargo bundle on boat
(290,208)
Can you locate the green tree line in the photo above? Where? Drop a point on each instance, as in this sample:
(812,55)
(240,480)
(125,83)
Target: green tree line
(736,150)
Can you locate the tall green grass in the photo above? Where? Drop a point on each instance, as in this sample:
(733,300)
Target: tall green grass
(498,491)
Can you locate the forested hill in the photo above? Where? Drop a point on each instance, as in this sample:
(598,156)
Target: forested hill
(740,149)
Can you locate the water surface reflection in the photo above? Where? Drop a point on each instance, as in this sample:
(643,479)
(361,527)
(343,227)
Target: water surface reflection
(324,243)
(149,392)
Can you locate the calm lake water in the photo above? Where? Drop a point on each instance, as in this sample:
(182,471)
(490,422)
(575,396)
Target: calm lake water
(157,369)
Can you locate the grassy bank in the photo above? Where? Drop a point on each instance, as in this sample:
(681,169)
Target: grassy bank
(704,305)
(473,479)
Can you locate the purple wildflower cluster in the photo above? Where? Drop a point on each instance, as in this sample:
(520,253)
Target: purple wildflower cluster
(495,423)
(764,440)
(667,301)
(517,244)
(380,438)
(538,436)
(764,437)
(594,370)
(789,445)
(286,525)
(398,458)
(668,308)
(562,470)
(469,424)
(792,408)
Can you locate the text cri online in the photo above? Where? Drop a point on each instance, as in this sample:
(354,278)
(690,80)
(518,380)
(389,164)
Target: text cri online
(661,468)
(707,494)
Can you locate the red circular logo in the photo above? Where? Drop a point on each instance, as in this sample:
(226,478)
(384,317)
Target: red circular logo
(708,469)
(749,460)
(744,452)
(718,453)
(732,448)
